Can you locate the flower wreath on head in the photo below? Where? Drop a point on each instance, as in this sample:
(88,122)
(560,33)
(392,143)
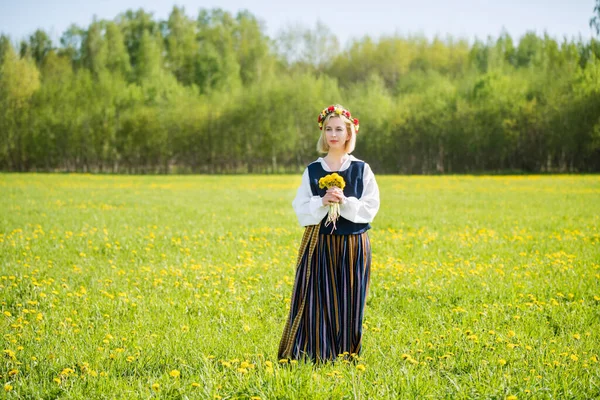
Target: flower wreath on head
(339,110)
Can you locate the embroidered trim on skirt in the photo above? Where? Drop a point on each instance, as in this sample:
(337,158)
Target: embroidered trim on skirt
(328,298)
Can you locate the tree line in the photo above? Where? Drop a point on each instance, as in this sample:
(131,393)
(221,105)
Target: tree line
(215,94)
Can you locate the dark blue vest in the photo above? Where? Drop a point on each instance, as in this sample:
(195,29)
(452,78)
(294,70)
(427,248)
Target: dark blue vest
(353,176)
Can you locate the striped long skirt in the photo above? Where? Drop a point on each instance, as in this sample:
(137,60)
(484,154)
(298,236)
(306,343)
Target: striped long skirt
(328,298)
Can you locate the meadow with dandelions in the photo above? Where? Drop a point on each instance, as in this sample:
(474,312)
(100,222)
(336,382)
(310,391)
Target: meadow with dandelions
(177,287)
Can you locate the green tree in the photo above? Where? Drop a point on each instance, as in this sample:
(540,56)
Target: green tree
(72,42)
(117,59)
(19,80)
(595,20)
(39,45)
(95,49)
(182,47)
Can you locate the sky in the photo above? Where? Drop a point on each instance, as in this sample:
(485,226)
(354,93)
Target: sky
(348,20)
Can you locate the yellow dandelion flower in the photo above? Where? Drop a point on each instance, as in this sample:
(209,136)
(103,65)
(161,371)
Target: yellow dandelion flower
(577,336)
(7,387)
(502,361)
(511,397)
(13,372)
(195,384)
(174,373)
(9,353)
(155,387)
(361,367)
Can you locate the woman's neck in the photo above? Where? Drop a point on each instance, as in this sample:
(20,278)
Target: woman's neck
(335,159)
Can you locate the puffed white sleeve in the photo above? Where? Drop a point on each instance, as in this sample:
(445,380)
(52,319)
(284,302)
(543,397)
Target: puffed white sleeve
(362,210)
(309,209)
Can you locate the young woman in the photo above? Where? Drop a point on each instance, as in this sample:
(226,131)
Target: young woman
(333,266)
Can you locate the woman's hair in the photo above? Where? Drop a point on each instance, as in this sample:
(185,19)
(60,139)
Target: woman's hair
(323,147)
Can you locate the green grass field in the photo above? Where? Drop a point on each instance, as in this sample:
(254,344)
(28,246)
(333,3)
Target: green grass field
(178,287)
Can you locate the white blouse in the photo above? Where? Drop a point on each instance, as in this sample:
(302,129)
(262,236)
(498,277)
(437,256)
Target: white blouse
(311,211)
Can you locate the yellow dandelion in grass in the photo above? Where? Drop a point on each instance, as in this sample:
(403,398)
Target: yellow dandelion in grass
(502,361)
(13,372)
(10,354)
(7,313)
(155,387)
(7,387)
(511,397)
(361,367)
(255,398)
(174,373)
(574,357)
(246,364)
(576,336)
(57,380)
(195,384)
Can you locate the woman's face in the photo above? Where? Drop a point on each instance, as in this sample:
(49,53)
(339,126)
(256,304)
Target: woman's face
(336,133)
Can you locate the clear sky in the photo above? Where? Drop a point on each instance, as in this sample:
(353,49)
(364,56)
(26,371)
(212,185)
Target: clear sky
(348,19)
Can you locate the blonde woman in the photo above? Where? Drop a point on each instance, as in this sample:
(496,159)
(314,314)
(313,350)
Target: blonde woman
(334,260)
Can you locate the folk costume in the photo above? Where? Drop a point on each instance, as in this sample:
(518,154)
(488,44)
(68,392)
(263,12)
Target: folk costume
(333,265)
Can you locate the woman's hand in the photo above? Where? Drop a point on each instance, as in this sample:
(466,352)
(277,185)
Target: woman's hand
(333,195)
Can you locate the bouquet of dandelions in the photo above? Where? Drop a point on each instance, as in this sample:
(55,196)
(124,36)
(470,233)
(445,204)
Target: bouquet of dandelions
(328,182)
